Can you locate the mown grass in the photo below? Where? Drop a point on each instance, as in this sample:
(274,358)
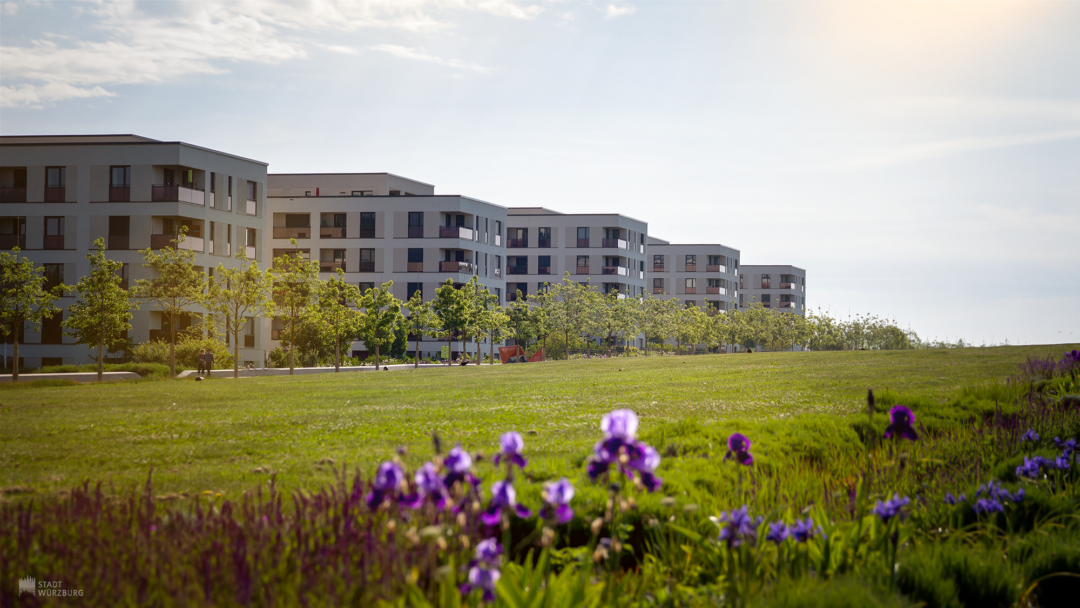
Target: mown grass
(227,435)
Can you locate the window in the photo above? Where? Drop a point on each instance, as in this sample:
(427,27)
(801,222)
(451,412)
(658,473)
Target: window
(415,255)
(658,285)
(119,232)
(55,178)
(691,303)
(517,265)
(766,280)
(658,263)
(123,274)
(367,224)
(364,286)
(766,300)
(543,238)
(362,193)
(582,261)
(716,260)
(543,264)
(412,288)
(416,224)
(498,266)
(120,184)
(307,192)
(339,220)
(52,331)
(54,233)
(498,234)
(691,263)
(54,275)
(250,237)
(251,191)
(367,260)
(583,237)
(213,178)
(518,237)
(523,288)
(691,285)
(12,232)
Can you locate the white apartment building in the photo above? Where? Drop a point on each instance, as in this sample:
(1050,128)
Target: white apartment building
(782,287)
(606,249)
(60,193)
(380,227)
(699,275)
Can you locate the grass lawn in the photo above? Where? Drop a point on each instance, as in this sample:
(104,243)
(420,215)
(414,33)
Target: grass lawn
(224,435)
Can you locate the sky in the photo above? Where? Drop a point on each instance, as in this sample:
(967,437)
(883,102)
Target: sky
(921,160)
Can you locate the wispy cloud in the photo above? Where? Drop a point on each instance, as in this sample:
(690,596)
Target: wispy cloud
(344,50)
(933,149)
(618,11)
(419,55)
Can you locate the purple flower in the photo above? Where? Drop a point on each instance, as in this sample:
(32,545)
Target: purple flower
(1072,356)
(557,495)
(1068,446)
(995,492)
(430,486)
(900,420)
(988,505)
(620,424)
(389,481)
(1030,436)
(778,532)
(458,464)
(802,531)
(502,496)
(488,552)
(511,444)
(739,448)
(890,508)
(952,500)
(739,526)
(644,459)
(1029,469)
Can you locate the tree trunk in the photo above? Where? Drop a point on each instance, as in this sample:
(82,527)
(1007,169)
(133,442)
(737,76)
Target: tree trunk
(449,348)
(236,353)
(100,358)
(337,353)
(416,358)
(15,351)
(491,349)
(172,346)
(543,348)
(377,359)
(478,359)
(464,353)
(292,346)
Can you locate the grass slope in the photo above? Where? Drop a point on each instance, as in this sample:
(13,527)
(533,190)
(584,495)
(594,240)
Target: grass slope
(222,435)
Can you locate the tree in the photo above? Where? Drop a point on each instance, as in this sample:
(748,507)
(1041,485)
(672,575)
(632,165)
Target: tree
(23,299)
(541,315)
(382,317)
(176,285)
(334,315)
(476,298)
(496,324)
(295,285)
(422,321)
(452,309)
(238,294)
(101,316)
(628,321)
(654,319)
(491,323)
(522,321)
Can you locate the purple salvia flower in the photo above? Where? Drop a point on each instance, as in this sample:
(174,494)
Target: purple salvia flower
(620,424)
(557,495)
(511,445)
(802,531)
(778,532)
(988,505)
(738,528)
(739,448)
(890,508)
(1030,437)
(900,420)
(503,496)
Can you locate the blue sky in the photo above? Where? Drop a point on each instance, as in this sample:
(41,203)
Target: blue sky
(920,159)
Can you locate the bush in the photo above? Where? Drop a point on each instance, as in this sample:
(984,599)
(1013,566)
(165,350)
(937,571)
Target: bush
(952,574)
(187,352)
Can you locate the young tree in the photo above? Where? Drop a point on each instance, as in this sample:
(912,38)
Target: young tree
(175,286)
(522,320)
(628,321)
(421,322)
(295,285)
(237,294)
(101,316)
(335,315)
(654,319)
(23,299)
(496,324)
(541,306)
(382,317)
(452,309)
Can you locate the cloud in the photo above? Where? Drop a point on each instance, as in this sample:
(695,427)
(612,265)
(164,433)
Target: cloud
(344,50)
(419,55)
(39,96)
(933,149)
(618,11)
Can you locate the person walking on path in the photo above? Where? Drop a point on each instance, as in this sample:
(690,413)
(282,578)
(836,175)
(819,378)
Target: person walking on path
(202,361)
(209,364)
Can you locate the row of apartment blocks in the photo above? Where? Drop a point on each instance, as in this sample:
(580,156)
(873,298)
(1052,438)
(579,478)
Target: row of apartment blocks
(60,193)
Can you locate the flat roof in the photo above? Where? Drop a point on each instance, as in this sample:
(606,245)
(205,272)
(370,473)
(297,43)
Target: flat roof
(358,173)
(509,215)
(665,244)
(393,196)
(771,265)
(112,140)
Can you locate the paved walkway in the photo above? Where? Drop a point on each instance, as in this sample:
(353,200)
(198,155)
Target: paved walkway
(284,371)
(76,376)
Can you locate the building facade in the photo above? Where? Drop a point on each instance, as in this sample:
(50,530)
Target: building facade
(700,275)
(58,194)
(782,287)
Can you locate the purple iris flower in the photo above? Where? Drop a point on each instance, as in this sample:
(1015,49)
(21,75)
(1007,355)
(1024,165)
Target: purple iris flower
(995,492)
(890,508)
(1072,356)
(619,428)
(739,526)
(620,424)
(484,570)
(739,448)
(557,495)
(431,486)
(802,531)
(1068,446)
(988,505)
(1030,437)
(488,552)
(778,532)
(389,481)
(502,496)
(511,444)
(1029,469)
(900,420)
(644,459)
(458,464)
(952,500)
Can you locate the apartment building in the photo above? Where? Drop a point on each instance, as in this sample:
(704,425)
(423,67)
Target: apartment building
(60,193)
(699,275)
(781,287)
(379,227)
(606,249)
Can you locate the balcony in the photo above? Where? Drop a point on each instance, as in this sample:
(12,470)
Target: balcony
(582,270)
(517,243)
(583,242)
(164,241)
(12,194)
(252,207)
(124,284)
(179,194)
(691,268)
(715,290)
(658,268)
(715,268)
(691,290)
(367,233)
(55,194)
(303,232)
(211,200)
(54,241)
(658,290)
(543,270)
(332,232)
(335,266)
(455,232)
(249,341)
(413,267)
(641,248)
(366,267)
(248,251)
(119,241)
(517,270)
(543,243)
(119,194)
(275,334)
(787,286)
(160,334)
(617,243)
(9,241)
(619,270)
(455,267)
(641,274)
(416,232)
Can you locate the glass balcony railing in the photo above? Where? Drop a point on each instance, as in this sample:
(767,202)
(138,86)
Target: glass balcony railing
(12,194)
(517,270)
(619,270)
(55,194)
(160,193)
(455,232)
(455,267)
(299,232)
(582,270)
(331,266)
(332,232)
(616,243)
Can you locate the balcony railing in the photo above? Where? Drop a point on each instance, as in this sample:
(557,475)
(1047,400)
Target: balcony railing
(416,232)
(248,251)
(582,270)
(9,241)
(54,241)
(543,270)
(455,267)
(498,273)
(124,284)
(658,268)
(517,270)
(641,274)
(619,270)
(331,266)
(658,290)
(119,194)
(787,286)
(302,232)
(182,194)
(617,243)
(252,207)
(12,194)
(119,241)
(332,232)
(691,268)
(164,241)
(211,200)
(249,341)
(543,243)
(455,232)
(641,248)
(583,242)
(766,286)
(416,267)
(715,268)
(691,290)
(55,194)
(715,290)
(366,267)
(517,243)
(498,240)
(786,305)
(367,233)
